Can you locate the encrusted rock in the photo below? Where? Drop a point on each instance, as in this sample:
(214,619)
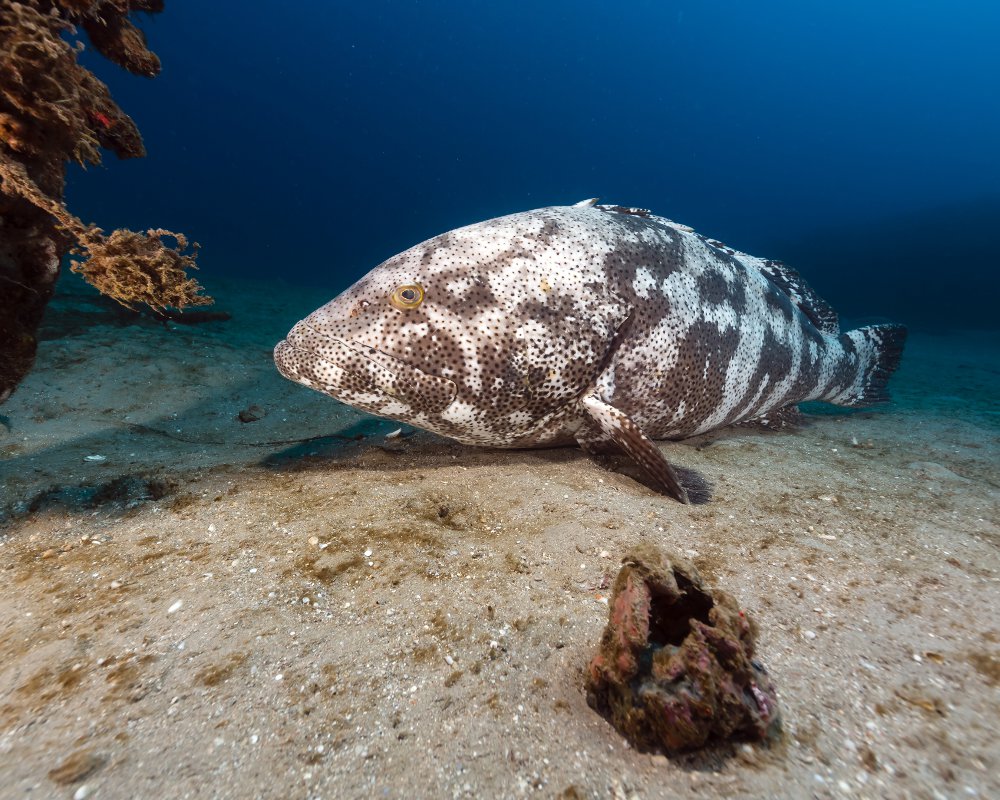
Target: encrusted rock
(675,668)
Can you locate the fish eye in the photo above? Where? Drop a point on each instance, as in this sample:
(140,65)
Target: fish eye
(407,296)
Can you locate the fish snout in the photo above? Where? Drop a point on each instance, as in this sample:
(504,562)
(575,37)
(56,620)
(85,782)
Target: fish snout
(351,371)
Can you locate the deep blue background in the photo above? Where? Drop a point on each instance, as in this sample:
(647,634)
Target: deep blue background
(311,140)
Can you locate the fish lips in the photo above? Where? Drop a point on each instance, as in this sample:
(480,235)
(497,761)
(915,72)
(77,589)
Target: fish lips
(351,372)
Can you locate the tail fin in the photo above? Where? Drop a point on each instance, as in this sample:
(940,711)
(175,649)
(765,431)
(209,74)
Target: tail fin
(879,349)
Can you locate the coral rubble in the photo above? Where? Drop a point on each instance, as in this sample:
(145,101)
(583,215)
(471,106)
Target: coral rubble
(53,111)
(675,668)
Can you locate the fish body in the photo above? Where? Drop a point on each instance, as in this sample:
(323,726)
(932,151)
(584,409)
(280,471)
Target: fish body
(600,325)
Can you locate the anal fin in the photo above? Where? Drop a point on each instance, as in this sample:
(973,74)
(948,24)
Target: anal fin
(683,485)
(777,419)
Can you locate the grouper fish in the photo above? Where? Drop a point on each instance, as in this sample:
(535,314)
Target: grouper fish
(600,325)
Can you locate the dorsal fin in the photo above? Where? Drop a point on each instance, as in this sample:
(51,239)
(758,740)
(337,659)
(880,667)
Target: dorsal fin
(819,312)
(635,212)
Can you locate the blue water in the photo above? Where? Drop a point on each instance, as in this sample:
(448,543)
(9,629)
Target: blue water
(856,140)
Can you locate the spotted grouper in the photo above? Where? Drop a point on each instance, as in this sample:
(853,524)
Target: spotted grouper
(599,325)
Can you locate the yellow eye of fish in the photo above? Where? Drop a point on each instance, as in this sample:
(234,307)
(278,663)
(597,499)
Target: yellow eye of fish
(407,296)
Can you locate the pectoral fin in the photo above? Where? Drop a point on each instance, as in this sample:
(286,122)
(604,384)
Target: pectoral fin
(618,427)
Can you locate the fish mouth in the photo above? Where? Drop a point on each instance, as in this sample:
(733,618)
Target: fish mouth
(358,374)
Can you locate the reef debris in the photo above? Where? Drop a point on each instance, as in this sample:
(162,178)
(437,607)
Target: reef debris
(54,111)
(127,266)
(675,669)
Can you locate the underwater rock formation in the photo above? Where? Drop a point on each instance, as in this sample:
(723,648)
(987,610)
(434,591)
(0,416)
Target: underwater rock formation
(675,667)
(53,111)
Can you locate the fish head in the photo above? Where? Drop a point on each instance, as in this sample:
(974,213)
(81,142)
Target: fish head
(478,334)
(368,348)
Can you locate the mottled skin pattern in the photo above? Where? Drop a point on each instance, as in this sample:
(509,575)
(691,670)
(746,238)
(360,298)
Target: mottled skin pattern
(594,324)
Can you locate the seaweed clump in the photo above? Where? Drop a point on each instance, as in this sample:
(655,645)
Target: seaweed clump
(675,668)
(53,112)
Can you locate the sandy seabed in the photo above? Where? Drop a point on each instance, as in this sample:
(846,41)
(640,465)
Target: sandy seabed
(294,607)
